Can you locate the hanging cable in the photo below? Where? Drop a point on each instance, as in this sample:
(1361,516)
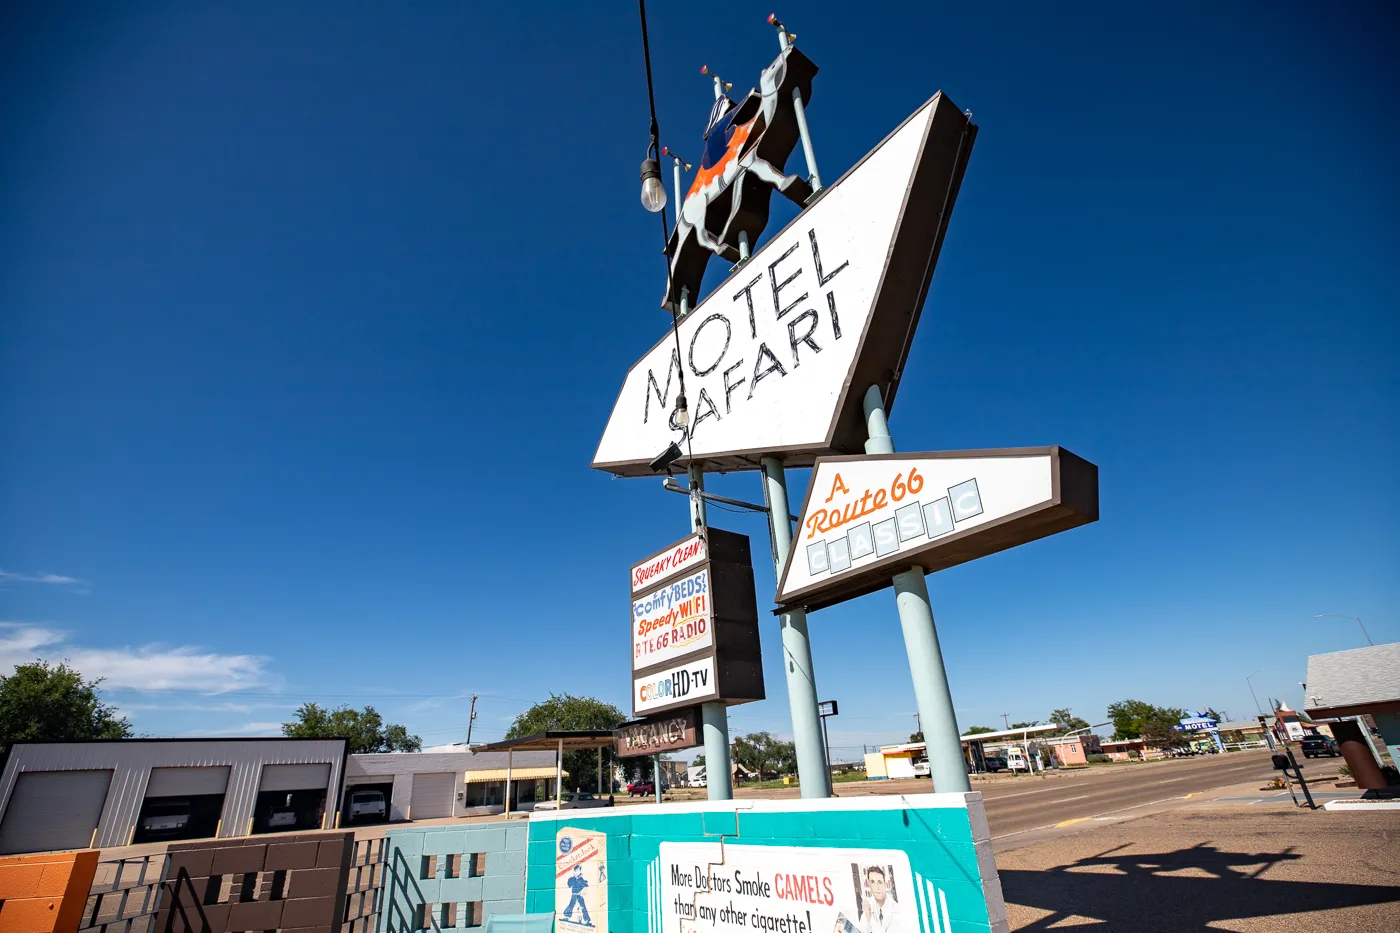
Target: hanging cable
(653,151)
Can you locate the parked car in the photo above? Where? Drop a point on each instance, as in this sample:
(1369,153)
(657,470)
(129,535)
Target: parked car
(645,789)
(1315,746)
(994,763)
(164,819)
(282,818)
(368,804)
(578,801)
(921,768)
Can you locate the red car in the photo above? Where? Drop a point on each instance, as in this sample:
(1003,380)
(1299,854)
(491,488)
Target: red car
(644,789)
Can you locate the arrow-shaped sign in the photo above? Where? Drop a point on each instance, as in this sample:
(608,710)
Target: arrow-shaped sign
(777,357)
(867,518)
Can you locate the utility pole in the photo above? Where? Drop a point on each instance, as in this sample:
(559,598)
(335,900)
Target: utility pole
(918,725)
(1005,723)
(471,719)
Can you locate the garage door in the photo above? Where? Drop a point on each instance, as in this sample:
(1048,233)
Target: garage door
(187,782)
(432,795)
(295,777)
(53,810)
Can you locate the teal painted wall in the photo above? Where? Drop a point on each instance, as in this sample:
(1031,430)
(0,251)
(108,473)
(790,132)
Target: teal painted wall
(500,889)
(948,847)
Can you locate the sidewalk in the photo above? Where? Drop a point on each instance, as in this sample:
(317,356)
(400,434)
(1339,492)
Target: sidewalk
(1237,859)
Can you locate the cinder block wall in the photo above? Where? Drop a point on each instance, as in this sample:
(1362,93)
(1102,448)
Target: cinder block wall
(441,865)
(45,893)
(291,883)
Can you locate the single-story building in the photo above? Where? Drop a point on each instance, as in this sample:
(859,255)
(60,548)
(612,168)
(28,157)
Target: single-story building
(430,785)
(1127,749)
(1344,686)
(899,761)
(1073,749)
(78,795)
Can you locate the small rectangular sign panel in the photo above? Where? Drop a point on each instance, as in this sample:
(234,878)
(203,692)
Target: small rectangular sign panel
(581,880)
(679,557)
(670,732)
(672,621)
(698,604)
(868,517)
(686,684)
(741,888)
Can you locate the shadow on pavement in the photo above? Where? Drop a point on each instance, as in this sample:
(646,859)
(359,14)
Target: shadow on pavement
(1139,892)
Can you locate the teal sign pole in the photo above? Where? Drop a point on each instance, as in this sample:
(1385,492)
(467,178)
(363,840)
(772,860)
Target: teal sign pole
(931,693)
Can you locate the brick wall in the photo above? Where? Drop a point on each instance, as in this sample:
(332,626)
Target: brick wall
(44,893)
(291,883)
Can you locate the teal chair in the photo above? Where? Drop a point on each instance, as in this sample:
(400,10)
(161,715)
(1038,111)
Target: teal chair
(520,923)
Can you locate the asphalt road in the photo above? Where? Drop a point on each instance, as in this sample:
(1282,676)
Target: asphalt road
(1029,803)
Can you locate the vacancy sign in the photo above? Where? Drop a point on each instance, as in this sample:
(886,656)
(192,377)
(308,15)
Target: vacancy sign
(868,518)
(778,356)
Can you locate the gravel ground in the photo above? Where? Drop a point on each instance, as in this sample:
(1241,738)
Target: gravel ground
(1222,868)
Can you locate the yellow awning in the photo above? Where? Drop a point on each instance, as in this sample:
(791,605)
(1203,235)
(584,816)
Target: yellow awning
(516,774)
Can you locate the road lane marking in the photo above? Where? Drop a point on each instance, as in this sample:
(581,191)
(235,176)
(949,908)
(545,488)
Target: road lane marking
(1077,819)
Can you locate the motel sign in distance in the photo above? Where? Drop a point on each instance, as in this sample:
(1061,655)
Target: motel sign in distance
(694,621)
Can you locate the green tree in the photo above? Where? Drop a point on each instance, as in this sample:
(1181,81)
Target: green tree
(1131,717)
(916,736)
(364,729)
(1025,725)
(763,754)
(978,730)
(564,713)
(1066,718)
(43,703)
(1158,733)
(1218,717)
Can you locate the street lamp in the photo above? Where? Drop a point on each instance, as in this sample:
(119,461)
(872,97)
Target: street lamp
(1338,615)
(653,191)
(1257,708)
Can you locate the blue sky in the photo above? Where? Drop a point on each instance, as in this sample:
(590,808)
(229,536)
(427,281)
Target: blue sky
(311,317)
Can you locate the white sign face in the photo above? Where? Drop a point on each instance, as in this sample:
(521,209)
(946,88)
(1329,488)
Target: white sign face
(706,888)
(685,685)
(767,355)
(867,518)
(668,563)
(673,620)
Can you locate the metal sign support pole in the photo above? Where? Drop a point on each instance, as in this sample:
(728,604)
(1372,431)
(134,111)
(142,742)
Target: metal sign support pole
(815,180)
(935,700)
(797,649)
(714,716)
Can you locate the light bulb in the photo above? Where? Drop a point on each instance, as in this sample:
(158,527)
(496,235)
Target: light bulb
(653,191)
(653,194)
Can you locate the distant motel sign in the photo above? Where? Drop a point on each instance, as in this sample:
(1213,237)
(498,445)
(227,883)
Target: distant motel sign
(694,622)
(867,518)
(775,359)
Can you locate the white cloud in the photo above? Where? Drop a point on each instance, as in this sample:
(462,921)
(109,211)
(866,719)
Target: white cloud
(248,728)
(146,668)
(6,575)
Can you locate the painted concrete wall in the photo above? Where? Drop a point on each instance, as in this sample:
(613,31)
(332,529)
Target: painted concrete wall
(407,885)
(45,893)
(945,837)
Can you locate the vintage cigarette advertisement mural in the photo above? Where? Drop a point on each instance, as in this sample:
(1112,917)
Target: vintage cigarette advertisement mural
(868,517)
(706,888)
(581,880)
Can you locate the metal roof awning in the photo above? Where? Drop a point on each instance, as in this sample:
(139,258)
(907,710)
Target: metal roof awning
(516,774)
(1010,733)
(572,740)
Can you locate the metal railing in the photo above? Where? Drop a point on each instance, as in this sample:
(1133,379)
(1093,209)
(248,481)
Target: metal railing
(125,895)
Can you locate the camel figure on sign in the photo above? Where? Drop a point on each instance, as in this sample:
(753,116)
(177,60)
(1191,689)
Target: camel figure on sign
(746,146)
